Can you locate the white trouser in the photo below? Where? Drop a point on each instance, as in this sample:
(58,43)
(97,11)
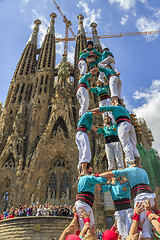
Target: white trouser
(109,60)
(83,99)
(82,65)
(147,226)
(115,86)
(88,209)
(114,151)
(104,103)
(83,145)
(127,137)
(124,221)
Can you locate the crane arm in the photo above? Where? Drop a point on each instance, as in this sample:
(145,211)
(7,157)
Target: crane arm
(68,23)
(112,35)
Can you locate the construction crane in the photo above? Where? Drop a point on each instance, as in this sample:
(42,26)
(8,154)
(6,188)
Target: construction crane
(111,36)
(68,26)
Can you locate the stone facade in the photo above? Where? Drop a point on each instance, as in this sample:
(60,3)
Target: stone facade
(38,155)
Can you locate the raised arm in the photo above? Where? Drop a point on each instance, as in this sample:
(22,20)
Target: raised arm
(94,128)
(154,218)
(71,229)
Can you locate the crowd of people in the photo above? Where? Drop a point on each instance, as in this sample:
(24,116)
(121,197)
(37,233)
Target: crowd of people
(125,176)
(37,210)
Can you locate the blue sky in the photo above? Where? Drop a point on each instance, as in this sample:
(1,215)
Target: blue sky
(137,58)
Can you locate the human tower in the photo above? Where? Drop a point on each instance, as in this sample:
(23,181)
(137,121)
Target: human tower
(126,175)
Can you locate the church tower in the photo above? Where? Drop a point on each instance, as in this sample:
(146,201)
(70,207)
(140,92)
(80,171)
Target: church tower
(95,38)
(81,44)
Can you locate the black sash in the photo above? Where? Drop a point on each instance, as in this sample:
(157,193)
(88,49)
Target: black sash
(112,138)
(121,119)
(122,204)
(81,128)
(87,197)
(103,96)
(140,188)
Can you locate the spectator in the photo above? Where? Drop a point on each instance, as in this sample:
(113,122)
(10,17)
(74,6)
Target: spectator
(65,211)
(2,216)
(40,211)
(34,210)
(54,211)
(6,213)
(29,211)
(10,215)
(70,211)
(46,209)
(50,210)
(60,211)
(16,212)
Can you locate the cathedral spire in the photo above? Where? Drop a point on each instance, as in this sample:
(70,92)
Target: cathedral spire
(51,29)
(33,36)
(80,45)
(96,41)
(27,62)
(47,53)
(80,25)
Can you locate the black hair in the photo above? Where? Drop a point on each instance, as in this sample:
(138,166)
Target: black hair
(105,49)
(80,167)
(119,101)
(138,161)
(88,165)
(90,42)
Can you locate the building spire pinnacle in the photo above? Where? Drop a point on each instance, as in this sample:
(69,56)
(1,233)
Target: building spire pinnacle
(51,29)
(80,25)
(96,41)
(33,36)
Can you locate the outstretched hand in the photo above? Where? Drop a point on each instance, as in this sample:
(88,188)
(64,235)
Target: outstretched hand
(83,214)
(70,229)
(153,216)
(74,210)
(147,205)
(139,208)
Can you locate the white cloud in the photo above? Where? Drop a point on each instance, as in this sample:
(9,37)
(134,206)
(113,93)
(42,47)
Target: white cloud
(124,4)
(150,110)
(124,20)
(143,1)
(151,23)
(92,15)
(59,46)
(42,28)
(71,55)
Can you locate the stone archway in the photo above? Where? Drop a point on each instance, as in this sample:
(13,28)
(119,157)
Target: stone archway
(59,126)
(5,193)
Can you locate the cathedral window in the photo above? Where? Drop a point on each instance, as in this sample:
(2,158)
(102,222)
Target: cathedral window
(10,163)
(46,81)
(65,186)
(41,80)
(20,98)
(22,88)
(59,126)
(53,185)
(17,89)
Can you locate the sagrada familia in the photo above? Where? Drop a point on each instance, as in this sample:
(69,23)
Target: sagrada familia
(38,154)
